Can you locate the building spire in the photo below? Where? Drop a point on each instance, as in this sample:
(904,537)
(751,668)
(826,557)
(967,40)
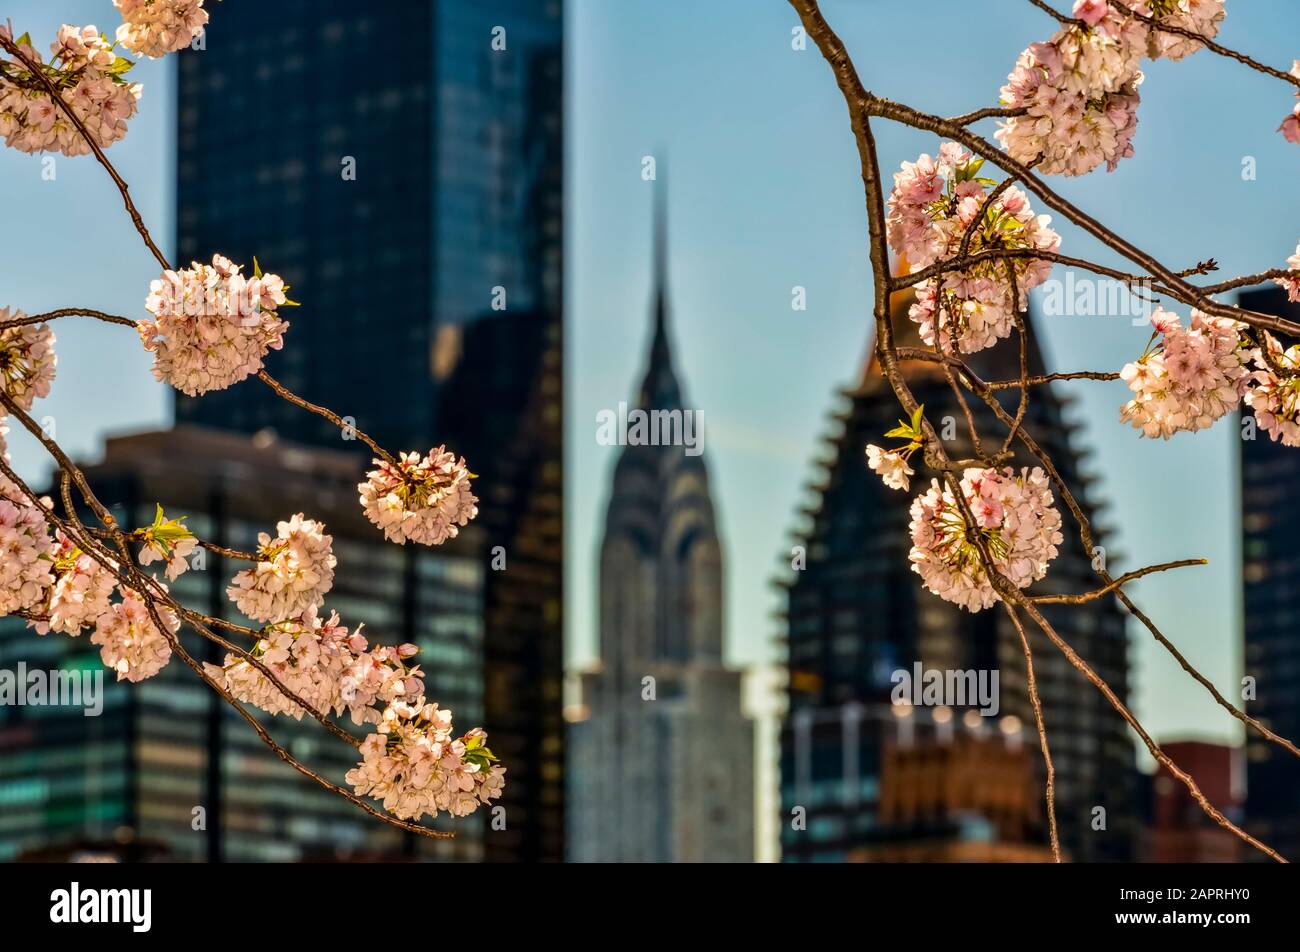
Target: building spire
(660,388)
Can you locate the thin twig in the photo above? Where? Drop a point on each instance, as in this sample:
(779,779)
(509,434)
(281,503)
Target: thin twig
(1114,584)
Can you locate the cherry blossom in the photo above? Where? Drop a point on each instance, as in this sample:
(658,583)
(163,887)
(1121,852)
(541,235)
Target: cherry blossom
(1080,93)
(1290,127)
(415,767)
(130,643)
(1276,399)
(167,541)
(25,551)
(175,556)
(891,465)
(1190,378)
(323,665)
(292,573)
(213,327)
(90,80)
(376,677)
(81,591)
(27,359)
(1015,516)
(155,28)
(420,499)
(1066,132)
(1292,281)
(931,207)
(1198,16)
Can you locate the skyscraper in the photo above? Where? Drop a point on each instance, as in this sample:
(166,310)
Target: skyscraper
(856,615)
(1271,582)
(400,165)
(662,765)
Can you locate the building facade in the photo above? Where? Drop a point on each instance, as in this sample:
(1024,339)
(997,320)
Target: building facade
(1270,585)
(856,615)
(168,761)
(400,165)
(662,763)
(1180,832)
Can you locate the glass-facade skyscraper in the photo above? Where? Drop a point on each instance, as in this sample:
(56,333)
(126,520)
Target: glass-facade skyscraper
(400,165)
(1270,586)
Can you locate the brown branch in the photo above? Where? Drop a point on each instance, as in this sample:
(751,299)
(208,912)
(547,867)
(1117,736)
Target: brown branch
(330,415)
(1050,792)
(1114,584)
(1038,379)
(1022,333)
(67,312)
(995,112)
(228,553)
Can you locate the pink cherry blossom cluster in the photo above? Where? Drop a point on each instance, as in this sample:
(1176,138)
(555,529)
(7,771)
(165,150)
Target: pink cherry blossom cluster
(931,207)
(1201,17)
(324,665)
(89,79)
(1291,282)
(420,499)
(292,573)
(1080,93)
(213,327)
(1290,127)
(130,643)
(1080,88)
(1276,398)
(1014,514)
(1190,377)
(25,551)
(27,359)
(155,28)
(81,592)
(415,767)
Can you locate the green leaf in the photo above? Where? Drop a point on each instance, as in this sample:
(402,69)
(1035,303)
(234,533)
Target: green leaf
(902,432)
(165,532)
(969,170)
(257,268)
(916,419)
(24,40)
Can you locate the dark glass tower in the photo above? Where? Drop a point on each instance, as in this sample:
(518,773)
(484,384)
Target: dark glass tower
(399,164)
(856,614)
(1271,584)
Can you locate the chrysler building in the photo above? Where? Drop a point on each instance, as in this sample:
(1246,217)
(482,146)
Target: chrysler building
(662,765)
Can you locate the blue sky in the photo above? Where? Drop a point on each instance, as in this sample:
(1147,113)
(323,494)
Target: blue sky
(765,195)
